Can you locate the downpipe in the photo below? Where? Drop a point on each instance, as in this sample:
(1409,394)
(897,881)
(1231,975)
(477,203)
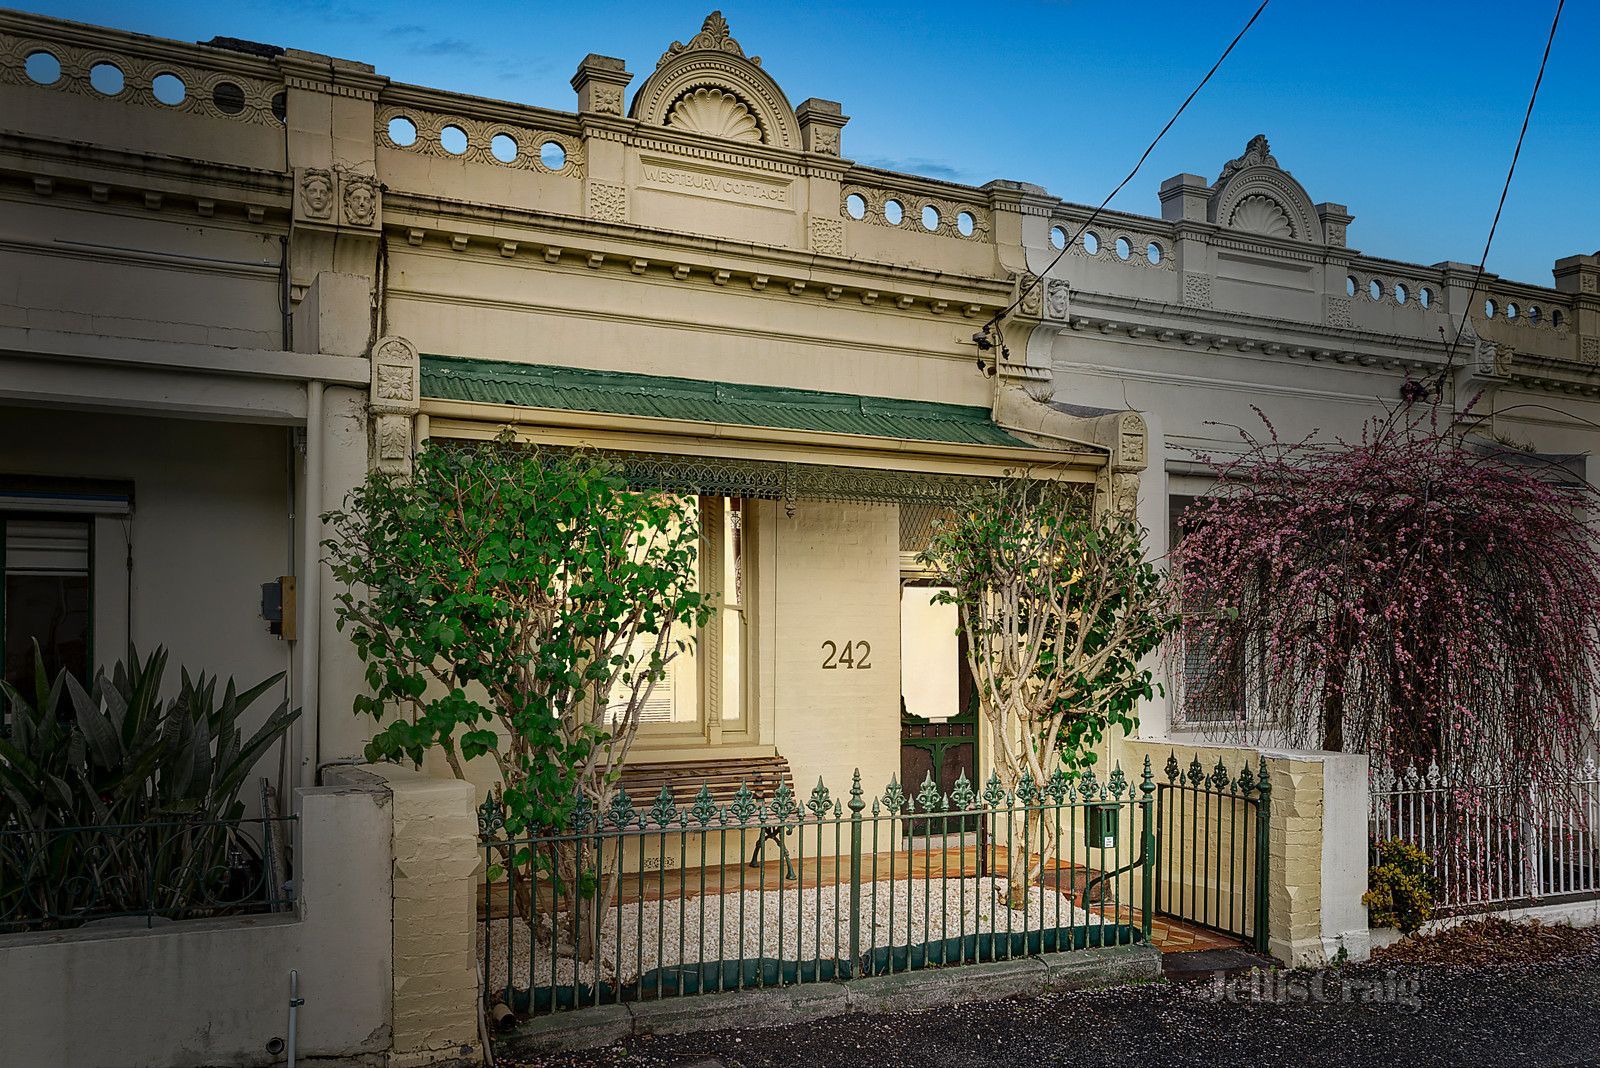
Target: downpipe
(295,1001)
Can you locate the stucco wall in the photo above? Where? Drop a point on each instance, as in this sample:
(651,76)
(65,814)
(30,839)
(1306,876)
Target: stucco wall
(1317,862)
(210,524)
(837,579)
(436,959)
(215,992)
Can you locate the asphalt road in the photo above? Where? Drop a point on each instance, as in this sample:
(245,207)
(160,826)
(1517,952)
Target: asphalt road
(1546,1015)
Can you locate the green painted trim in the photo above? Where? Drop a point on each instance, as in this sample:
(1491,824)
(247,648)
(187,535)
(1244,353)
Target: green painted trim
(657,396)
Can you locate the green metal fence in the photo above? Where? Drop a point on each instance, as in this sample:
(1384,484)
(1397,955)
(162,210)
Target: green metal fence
(1213,833)
(632,903)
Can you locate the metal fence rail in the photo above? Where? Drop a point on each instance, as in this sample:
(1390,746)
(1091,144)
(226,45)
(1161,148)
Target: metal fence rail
(1494,844)
(56,877)
(630,904)
(1213,829)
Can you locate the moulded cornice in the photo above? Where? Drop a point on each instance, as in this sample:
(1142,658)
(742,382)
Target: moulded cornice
(1278,248)
(326,74)
(1158,322)
(577,243)
(21,151)
(95,172)
(602,127)
(187,356)
(738,153)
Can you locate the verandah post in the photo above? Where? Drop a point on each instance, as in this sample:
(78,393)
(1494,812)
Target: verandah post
(1147,790)
(856,807)
(1263,851)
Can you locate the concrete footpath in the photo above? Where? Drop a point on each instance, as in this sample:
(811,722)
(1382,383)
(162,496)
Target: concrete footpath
(928,988)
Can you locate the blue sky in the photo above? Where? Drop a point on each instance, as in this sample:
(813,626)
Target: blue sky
(1405,112)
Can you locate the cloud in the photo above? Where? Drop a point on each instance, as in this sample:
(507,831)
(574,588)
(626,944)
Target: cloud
(928,168)
(325,11)
(420,41)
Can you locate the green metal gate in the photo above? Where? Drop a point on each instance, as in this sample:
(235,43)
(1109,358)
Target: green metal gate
(1212,830)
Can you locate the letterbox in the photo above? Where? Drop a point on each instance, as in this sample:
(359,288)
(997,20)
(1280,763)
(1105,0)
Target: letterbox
(1100,828)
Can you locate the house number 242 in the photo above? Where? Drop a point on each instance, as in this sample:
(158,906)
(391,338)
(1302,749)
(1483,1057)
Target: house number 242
(856,655)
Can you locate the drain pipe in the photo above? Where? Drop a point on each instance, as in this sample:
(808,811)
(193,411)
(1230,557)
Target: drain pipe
(309,594)
(295,1001)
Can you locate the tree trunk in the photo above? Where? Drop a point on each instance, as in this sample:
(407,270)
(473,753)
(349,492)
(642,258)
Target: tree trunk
(1025,870)
(1333,686)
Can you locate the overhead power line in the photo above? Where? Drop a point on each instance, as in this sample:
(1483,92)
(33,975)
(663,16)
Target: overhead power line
(1450,360)
(1026,289)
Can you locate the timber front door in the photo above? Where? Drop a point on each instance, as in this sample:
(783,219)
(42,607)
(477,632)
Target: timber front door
(938,706)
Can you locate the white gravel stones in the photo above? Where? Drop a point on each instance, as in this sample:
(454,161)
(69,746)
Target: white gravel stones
(788,926)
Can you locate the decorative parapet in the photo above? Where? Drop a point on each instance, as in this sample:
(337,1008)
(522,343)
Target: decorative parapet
(1396,286)
(107,65)
(1116,241)
(472,139)
(394,402)
(917,212)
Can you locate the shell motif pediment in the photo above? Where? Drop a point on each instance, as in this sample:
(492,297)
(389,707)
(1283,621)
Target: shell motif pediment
(1260,214)
(715,113)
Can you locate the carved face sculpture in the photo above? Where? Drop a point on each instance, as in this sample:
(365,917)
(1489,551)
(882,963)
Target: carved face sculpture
(1057,300)
(317,191)
(358,202)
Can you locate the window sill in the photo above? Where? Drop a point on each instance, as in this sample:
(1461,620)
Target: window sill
(665,751)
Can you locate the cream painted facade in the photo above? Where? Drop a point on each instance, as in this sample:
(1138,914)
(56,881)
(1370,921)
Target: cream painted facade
(258,265)
(234,299)
(1254,297)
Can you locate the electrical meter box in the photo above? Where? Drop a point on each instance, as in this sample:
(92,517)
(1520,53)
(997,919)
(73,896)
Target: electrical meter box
(1100,827)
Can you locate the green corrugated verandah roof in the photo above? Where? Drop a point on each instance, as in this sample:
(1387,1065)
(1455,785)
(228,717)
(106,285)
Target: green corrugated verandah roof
(617,393)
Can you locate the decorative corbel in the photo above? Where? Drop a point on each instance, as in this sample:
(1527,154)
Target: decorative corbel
(395,401)
(1126,435)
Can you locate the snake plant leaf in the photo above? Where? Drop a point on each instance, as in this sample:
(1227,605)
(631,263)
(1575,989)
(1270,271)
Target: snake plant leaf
(120,753)
(232,777)
(177,762)
(116,707)
(22,726)
(199,784)
(58,790)
(104,745)
(41,682)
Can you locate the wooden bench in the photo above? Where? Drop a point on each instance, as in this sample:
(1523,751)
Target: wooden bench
(722,777)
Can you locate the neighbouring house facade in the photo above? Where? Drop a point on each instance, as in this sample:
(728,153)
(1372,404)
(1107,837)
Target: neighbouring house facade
(239,277)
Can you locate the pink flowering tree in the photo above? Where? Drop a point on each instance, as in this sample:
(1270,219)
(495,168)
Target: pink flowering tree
(1419,594)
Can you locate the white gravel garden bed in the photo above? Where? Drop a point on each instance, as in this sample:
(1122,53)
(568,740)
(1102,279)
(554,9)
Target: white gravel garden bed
(907,913)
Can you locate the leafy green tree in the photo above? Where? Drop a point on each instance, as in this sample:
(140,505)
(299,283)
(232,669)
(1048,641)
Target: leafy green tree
(1059,611)
(517,605)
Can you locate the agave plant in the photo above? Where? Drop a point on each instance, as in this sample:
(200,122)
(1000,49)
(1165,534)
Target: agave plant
(113,799)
